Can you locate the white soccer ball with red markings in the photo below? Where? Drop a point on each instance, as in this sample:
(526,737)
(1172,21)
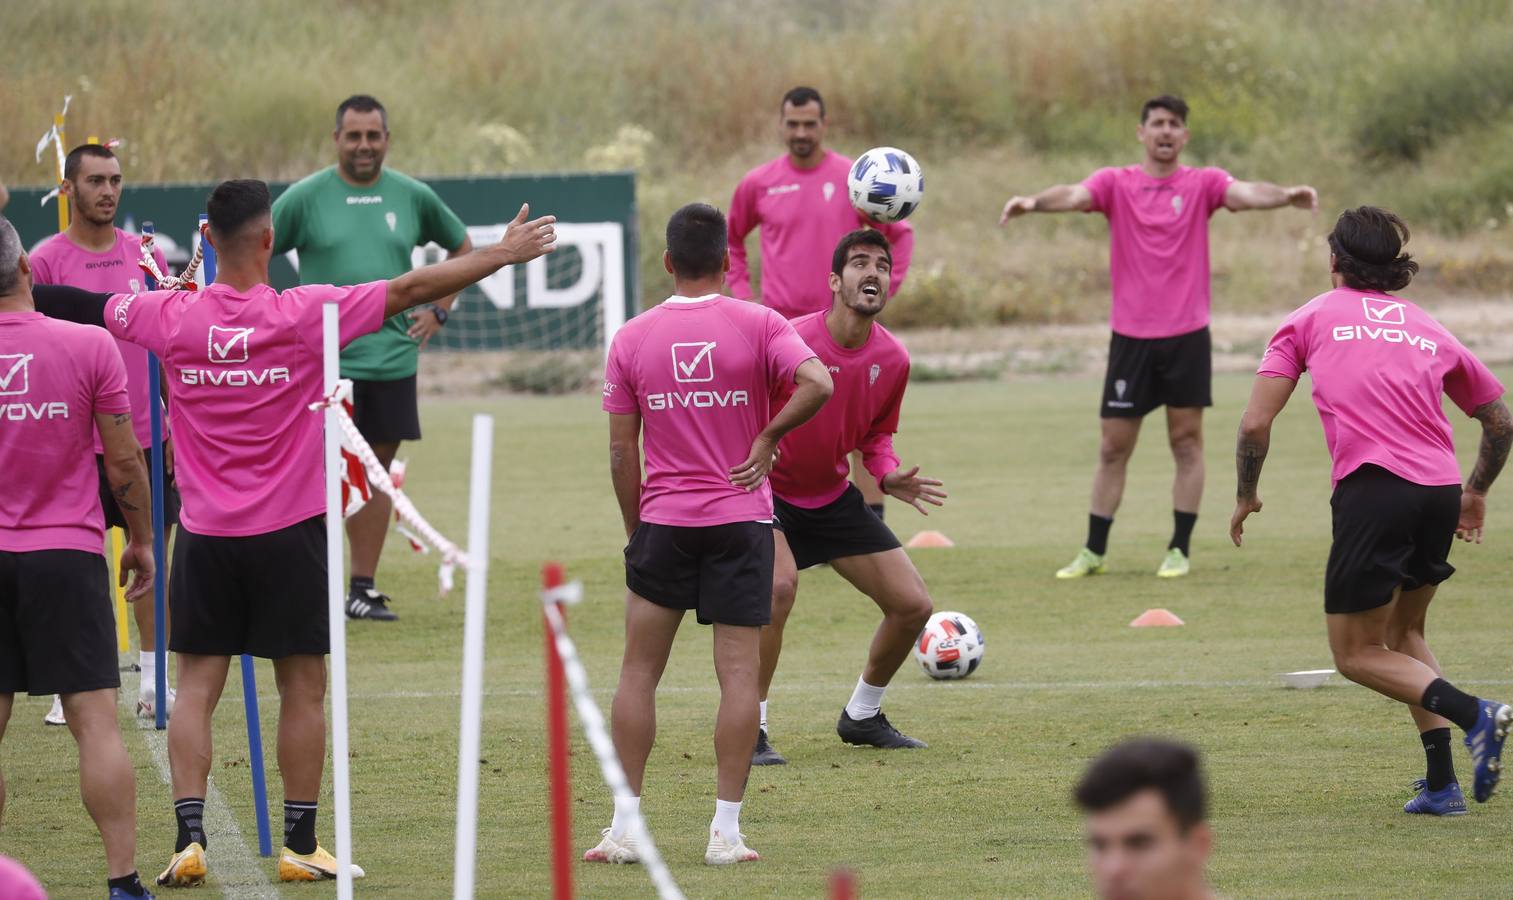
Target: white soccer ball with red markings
(885,184)
(950,646)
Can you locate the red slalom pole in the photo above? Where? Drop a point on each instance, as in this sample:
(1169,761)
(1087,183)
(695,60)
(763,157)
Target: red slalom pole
(556,751)
(842,885)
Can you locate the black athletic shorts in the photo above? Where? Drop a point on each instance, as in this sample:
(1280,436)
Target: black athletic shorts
(724,572)
(386,412)
(842,527)
(1146,373)
(57,623)
(113,516)
(264,594)
(1389,533)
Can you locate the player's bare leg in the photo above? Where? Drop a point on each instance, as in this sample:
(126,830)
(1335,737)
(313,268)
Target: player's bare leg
(106,779)
(737,659)
(1440,792)
(201,681)
(301,684)
(366,530)
(1115,446)
(785,584)
(1184,431)
(871,493)
(649,633)
(893,583)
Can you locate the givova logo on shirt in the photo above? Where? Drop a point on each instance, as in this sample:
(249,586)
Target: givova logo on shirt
(1381,312)
(229,346)
(693,363)
(15,380)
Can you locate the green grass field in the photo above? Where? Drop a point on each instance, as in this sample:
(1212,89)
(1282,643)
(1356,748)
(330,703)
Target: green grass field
(1306,785)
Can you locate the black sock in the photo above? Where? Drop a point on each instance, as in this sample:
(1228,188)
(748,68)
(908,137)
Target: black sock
(876,508)
(1441,769)
(299,826)
(1444,699)
(1097,532)
(190,812)
(1182,531)
(359,585)
(131,884)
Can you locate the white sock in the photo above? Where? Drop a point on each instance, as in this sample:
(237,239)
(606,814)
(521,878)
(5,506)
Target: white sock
(866,701)
(727,819)
(148,661)
(763,705)
(625,808)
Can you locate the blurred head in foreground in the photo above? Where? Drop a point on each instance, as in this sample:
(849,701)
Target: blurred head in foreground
(1146,809)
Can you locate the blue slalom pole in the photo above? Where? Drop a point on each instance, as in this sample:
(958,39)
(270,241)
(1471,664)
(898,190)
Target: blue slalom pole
(159,547)
(249,678)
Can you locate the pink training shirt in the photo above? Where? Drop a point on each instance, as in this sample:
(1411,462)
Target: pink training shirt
(243,369)
(803,214)
(54,377)
(1380,365)
(1158,246)
(59,260)
(813,467)
(704,374)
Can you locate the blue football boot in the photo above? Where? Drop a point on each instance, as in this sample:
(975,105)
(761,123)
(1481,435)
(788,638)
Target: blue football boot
(1485,740)
(1447,801)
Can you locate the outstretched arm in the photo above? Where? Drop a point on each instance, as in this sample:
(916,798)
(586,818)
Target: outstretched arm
(522,242)
(1267,398)
(1058,198)
(1496,439)
(1243,195)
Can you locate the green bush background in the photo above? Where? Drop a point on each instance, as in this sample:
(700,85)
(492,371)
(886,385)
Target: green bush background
(1402,103)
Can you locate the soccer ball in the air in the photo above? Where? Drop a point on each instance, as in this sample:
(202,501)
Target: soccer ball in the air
(885,184)
(950,646)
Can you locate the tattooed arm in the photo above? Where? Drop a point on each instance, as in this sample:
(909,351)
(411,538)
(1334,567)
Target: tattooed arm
(1496,439)
(625,466)
(126,471)
(1267,399)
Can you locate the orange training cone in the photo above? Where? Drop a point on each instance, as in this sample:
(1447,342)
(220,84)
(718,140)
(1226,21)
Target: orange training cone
(930,539)
(1156,618)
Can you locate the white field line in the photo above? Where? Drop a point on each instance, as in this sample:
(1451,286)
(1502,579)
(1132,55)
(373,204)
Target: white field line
(1007,687)
(236,867)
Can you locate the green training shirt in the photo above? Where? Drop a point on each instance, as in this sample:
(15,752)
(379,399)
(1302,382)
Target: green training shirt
(350,235)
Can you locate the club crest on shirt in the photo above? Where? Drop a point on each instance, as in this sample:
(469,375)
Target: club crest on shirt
(1177,204)
(872,374)
(828,190)
(392,219)
(15,373)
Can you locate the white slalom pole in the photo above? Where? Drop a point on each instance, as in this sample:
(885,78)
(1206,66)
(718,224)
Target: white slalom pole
(472,656)
(337,614)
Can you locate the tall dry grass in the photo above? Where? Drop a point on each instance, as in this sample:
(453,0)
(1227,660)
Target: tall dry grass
(1407,103)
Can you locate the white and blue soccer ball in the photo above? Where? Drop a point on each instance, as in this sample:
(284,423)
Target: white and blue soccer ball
(886,184)
(950,646)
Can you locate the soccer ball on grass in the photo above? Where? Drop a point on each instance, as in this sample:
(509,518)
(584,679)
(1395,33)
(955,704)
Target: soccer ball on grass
(950,646)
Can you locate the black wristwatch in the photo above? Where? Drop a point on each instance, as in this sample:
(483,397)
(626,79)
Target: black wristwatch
(439,312)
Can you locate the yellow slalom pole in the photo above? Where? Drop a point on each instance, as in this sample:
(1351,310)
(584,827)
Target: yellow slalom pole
(123,636)
(62,200)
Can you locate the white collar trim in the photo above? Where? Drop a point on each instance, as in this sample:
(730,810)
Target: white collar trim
(677,299)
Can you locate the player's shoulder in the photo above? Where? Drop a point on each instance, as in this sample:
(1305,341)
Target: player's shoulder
(888,343)
(408,183)
(762,174)
(50,248)
(75,335)
(809,323)
(313,183)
